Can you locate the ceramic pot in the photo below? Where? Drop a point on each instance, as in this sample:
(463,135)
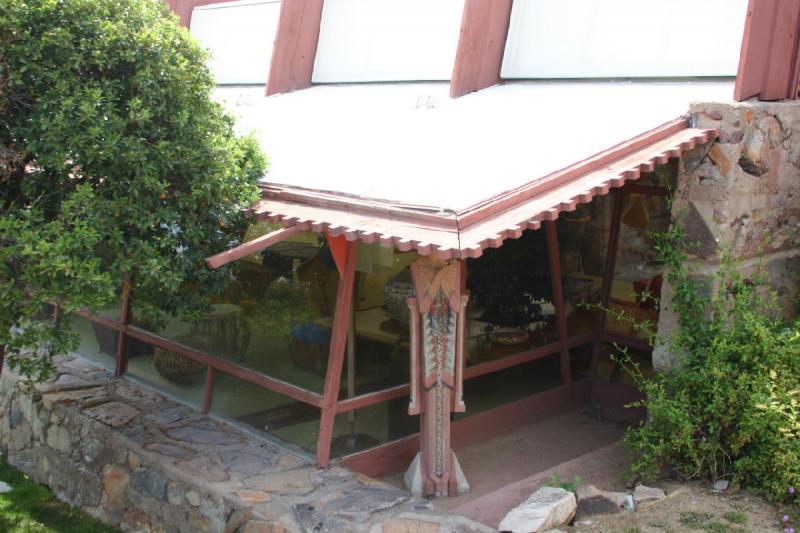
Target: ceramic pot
(308,347)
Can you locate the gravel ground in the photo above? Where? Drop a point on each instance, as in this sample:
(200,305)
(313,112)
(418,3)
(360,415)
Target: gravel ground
(692,506)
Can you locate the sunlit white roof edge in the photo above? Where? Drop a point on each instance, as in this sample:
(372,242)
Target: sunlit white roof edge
(409,144)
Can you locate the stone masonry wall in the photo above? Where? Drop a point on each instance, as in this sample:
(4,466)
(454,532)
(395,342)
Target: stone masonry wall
(142,462)
(742,191)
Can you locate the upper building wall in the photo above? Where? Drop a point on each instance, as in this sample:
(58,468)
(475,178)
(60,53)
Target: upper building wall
(623,38)
(472,43)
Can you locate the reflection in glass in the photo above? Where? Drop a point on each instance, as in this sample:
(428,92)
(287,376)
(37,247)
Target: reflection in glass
(266,411)
(378,358)
(274,315)
(583,242)
(493,390)
(187,391)
(609,369)
(97,343)
(581,360)
(371,426)
(638,275)
(510,308)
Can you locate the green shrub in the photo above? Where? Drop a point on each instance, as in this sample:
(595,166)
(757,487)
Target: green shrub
(114,160)
(730,406)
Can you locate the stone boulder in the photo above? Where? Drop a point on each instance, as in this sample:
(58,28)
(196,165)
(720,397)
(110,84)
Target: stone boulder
(644,494)
(545,509)
(593,501)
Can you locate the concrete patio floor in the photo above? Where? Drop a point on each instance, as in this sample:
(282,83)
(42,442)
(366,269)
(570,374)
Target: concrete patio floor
(505,470)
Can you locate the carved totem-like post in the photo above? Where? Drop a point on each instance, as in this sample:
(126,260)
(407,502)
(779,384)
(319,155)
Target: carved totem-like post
(437,322)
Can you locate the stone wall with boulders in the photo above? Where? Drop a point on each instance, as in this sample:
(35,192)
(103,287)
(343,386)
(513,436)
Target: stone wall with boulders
(142,462)
(742,193)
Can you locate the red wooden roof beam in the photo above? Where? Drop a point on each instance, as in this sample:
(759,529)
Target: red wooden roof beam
(251,247)
(295,47)
(481,44)
(769,63)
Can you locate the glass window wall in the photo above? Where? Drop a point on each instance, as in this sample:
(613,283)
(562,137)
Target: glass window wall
(510,308)
(266,411)
(583,243)
(274,315)
(379,357)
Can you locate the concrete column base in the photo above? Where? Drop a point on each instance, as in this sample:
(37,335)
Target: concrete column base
(415,484)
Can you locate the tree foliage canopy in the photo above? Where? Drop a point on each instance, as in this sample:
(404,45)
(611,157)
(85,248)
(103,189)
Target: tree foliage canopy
(114,160)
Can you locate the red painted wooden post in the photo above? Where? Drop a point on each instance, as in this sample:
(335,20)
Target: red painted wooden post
(436,314)
(333,375)
(121,365)
(769,62)
(208,394)
(558,299)
(608,272)
(484,28)
(295,46)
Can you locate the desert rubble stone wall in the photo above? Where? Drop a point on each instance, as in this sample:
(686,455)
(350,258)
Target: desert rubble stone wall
(742,193)
(143,462)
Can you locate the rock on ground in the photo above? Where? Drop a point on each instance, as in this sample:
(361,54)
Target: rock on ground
(547,508)
(721,485)
(643,494)
(593,501)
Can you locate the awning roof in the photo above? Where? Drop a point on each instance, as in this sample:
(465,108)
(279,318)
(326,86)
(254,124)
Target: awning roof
(404,165)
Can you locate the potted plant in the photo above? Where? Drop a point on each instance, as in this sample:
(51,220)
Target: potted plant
(288,308)
(508,283)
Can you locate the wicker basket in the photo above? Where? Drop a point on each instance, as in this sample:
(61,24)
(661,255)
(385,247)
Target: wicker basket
(179,368)
(223,332)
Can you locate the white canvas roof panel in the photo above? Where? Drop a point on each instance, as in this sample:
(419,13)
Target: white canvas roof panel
(410,144)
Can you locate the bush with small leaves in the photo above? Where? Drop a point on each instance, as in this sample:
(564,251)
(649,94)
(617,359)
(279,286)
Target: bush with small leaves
(730,408)
(114,161)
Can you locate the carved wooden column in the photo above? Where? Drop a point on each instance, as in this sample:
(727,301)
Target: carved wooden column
(437,322)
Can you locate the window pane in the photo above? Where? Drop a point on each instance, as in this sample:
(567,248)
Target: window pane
(266,411)
(663,175)
(97,343)
(112,309)
(638,275)
(168,372)
(371,426)
(510,308)
(275,313)
(581,360)
(493,390)
(583,243)
(380,321)
(611,371)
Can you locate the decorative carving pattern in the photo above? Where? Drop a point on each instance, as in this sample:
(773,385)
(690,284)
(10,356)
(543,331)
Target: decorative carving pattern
(436,368)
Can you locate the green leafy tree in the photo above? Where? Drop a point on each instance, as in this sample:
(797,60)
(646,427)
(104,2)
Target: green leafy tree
(114,162)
